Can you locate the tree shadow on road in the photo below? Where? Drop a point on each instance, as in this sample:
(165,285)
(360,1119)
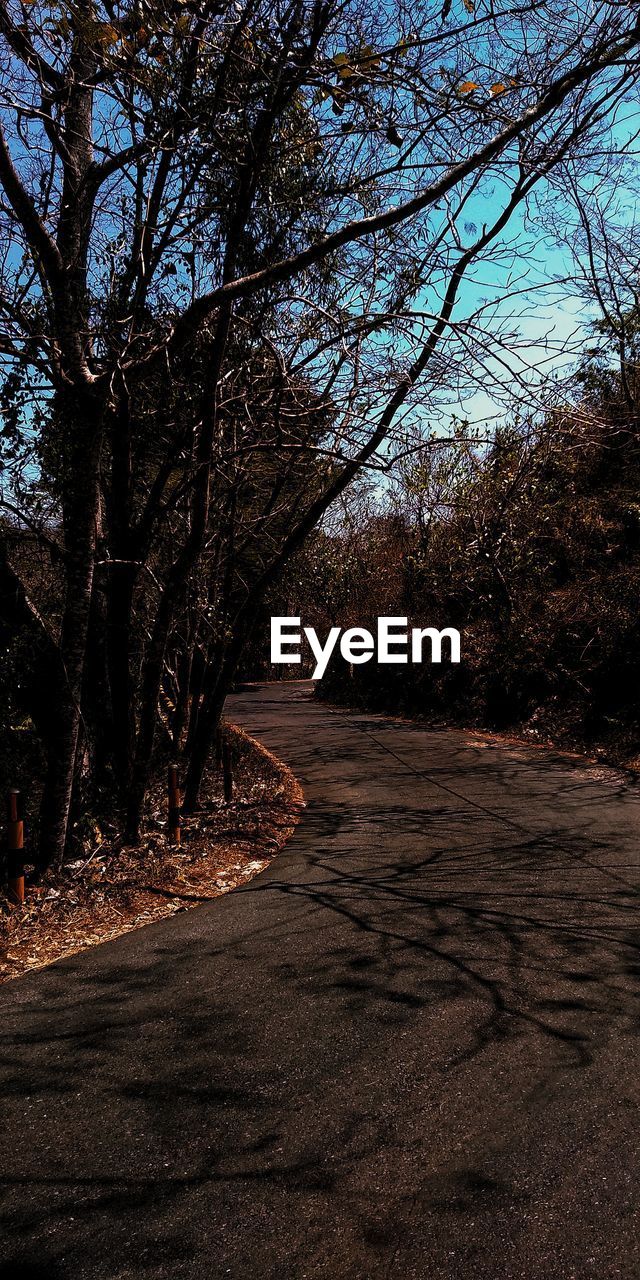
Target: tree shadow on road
(281,1047)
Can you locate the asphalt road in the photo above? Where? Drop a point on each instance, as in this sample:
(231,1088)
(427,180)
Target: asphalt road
(408,1049)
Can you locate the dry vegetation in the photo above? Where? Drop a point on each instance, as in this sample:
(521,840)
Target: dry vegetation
(530,547)
(112,890)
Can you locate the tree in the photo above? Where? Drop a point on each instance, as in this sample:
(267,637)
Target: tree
(202,178)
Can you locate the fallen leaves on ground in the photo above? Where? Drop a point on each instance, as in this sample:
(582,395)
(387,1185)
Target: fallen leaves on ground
(112,891)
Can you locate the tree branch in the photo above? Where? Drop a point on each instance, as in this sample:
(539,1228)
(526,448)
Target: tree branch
(42,244)
(554,96)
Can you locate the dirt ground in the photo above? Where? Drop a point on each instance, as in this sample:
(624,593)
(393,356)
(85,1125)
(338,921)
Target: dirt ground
(112,890)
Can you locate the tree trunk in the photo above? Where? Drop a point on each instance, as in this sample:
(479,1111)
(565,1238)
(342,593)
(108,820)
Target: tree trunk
(185,663)
(80,519)
(198,671)
(179,573)
(217,683)
(119,605)
(151,681)
(123,572)
(207,727)
(96,695)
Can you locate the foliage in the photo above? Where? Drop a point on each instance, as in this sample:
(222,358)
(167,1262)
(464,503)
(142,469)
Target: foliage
(531,547)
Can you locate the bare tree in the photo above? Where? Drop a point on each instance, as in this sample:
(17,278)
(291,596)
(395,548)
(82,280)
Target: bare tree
(293,179)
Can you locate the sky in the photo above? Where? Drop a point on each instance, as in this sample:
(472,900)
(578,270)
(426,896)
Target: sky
(553,326)
(554,319)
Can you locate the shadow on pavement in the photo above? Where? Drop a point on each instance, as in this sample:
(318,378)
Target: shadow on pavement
(388,1028)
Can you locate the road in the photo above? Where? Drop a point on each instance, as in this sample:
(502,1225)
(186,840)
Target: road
(407,1049)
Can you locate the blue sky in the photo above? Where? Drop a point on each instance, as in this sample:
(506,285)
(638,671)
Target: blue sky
(552,323)
(553,317)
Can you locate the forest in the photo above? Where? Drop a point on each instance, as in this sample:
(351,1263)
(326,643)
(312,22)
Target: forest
(256,260)
(529,545)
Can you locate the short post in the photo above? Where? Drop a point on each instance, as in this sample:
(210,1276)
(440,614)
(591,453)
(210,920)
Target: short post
(227,770)
(174,804)
(15,849)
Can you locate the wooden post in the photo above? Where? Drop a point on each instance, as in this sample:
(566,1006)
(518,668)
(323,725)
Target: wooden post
(15,849)
(227,770)
(174,804)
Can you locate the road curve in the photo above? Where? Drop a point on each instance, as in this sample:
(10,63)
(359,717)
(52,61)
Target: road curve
(407,1049)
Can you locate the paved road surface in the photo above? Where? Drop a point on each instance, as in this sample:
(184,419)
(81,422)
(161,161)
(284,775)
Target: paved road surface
(409,1049)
